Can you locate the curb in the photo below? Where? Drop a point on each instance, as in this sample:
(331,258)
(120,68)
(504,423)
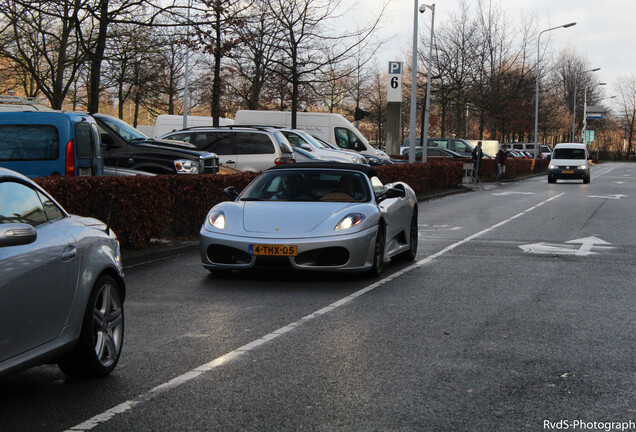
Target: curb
(134,257)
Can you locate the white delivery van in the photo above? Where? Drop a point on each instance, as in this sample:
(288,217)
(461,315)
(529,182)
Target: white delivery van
(166,123)
(332,128)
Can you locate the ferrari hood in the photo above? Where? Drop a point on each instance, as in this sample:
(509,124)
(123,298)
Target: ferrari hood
(288,218)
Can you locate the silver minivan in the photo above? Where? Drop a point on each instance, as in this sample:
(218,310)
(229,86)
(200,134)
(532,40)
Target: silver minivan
(245,148)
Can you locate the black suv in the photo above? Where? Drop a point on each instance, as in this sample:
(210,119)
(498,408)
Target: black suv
(126,147)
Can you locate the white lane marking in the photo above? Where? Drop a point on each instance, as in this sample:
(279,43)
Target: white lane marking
(513,193)
(233,355)
(614,197)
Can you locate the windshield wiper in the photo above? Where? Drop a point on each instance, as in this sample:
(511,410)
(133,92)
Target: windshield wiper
(250,199)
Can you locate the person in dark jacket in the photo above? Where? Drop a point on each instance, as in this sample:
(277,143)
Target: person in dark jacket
(478,155)
(501,162)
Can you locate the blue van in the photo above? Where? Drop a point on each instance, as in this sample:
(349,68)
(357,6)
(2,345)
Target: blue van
(44,143)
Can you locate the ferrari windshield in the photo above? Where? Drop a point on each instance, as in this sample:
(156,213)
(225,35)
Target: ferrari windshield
(308,185)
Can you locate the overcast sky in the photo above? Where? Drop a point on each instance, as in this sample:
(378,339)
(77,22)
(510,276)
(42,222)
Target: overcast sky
(605,32)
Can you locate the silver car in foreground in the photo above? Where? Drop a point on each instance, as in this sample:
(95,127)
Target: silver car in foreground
(61,285)
(312,216)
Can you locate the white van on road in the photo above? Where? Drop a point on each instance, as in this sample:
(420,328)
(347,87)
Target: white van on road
(569,161)
(332,128)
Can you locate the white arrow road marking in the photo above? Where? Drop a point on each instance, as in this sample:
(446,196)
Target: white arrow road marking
(585,248)
(513,193)
(616,196)
(587,243)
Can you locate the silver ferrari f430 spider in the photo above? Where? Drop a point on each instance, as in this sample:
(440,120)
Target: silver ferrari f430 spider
(312,216)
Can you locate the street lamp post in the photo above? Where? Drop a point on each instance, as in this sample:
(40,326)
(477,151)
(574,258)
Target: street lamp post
(585,112)
(536,99)
(186,100)
(414,86)
(427,110)
(574,109)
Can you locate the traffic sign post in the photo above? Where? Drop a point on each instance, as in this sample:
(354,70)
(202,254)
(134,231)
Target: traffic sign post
(394,108)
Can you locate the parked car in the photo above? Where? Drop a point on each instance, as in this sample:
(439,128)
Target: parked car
(370,159)
(569,161)
(126,147)
(43,143)
(62,288)
(299,138)
(514,155)
(17,103)
(331,127)
(545,151)
(433,153)
(457,145)
(246,148)
(312,216)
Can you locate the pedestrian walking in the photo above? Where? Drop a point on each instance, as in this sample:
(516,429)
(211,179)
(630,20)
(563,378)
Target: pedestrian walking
(478,155)
(501,162)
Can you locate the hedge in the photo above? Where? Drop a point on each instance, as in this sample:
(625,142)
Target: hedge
(140,208)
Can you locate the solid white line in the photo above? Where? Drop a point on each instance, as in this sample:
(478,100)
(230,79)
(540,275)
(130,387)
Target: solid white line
(239,352)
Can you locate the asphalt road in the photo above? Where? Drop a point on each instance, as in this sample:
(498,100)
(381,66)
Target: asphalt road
(518,314)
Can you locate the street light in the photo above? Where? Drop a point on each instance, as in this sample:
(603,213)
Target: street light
(585,112)
(574,110)
(536,99)
(427,110)
(422,9)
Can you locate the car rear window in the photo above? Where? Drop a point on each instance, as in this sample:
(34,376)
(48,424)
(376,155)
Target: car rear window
(568,153)
(28,142)
(84,143)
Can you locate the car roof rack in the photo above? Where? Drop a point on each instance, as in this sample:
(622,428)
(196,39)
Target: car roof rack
(230,127)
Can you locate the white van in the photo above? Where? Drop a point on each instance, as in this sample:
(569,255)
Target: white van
(169,123)
(569,161)
(332,128)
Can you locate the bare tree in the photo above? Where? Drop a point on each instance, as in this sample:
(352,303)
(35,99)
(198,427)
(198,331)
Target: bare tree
(250,70)
(376,101)
(40,40)
(626,100)
(307,42)
(220,38)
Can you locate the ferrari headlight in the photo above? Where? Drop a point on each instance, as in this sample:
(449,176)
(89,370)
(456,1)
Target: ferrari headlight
(349,221)
(185,166)
(217,219)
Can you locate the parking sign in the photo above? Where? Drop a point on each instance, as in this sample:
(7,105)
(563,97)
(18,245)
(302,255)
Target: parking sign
(394,89)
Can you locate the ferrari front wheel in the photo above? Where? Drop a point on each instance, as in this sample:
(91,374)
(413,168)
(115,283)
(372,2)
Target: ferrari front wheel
(409,255)
(378,252)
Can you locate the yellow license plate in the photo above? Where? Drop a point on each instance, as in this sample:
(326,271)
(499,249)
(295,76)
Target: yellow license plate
(568,172)
(273,250)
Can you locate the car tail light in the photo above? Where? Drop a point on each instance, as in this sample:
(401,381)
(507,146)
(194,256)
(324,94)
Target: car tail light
(70,159)
(280,161)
